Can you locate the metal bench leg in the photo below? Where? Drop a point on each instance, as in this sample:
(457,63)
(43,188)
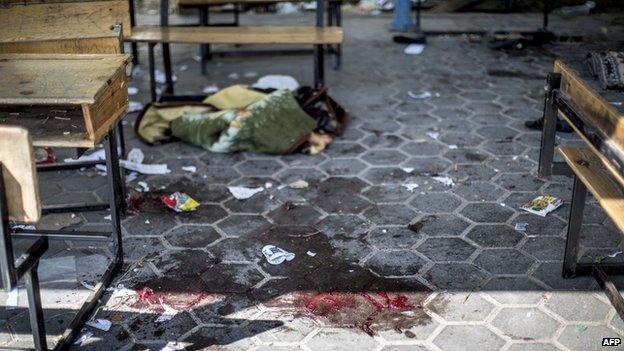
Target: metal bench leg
(152,70)
(319,66)
(116,187)
(35,310)
(133,45)
(204,49)
(547,149)
(338,14)
(166,52)
(575,221)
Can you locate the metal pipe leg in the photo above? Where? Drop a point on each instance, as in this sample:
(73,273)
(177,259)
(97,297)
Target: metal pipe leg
(35,310)
(117,199)
(122,139)
(319,66)
(152,71)
(133,45)
(168,70)
(575,221)
(338,14)
(547,149)
(204,49)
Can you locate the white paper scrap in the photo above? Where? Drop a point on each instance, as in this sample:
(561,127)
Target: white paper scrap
(100,323)
(444,180)
(414,49)
(242,193)
(276,255)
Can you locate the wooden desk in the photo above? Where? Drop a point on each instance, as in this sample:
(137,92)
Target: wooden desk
(63,100)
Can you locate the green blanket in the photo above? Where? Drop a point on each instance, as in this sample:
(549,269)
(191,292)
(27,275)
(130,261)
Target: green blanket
(276,125)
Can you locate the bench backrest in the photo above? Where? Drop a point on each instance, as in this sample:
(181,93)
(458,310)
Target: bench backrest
(85,27)
(19,174)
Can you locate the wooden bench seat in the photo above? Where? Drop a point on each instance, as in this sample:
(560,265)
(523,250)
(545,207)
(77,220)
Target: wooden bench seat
(225,2)
(237,35)
(599,181)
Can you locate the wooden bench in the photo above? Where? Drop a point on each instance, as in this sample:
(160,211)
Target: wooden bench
(63,100)
(576,96)
(164,34)
(19,201)
(86,27)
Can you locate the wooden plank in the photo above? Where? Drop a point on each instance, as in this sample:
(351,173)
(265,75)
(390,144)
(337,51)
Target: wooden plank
(61,126)
(225,2)
(34,20)
(19,174)
(592,101)
(111,43)
(55,79)
(238,35)
(112,105)
(598,180)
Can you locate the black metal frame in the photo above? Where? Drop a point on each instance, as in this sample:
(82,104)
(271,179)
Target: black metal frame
(319,52)
(27,266)
(554,102)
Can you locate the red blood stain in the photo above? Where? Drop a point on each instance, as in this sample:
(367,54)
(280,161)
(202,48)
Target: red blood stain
(145,293)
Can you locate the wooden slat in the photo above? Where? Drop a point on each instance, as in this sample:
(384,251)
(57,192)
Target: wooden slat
(598,180)
(110,43)
(61,126)
(53,21)
(238,35)
(19,174)
(56,79)
(575,86)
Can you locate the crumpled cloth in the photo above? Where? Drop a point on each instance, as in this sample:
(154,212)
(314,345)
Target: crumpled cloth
(608,66)
(275,124)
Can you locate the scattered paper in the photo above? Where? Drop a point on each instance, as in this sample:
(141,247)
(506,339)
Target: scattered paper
(311,253)
(133,91)
(144,186)
(162,79)
(299,184)
(419,96)
(277,82)
(180,202)
(211,89)
(521,227)
(84,336)
(233,75)
(191,169)
(268,185)
(452,146)
(131,177)
(100,323)
(410,186)
(408,169)
(136,155)
(183,68)
(145,168)
(276,255)
(242,193)
(414,49)
(250,74)
(613,255)
(12,300)
(433,135)
(108,218)
(167,315)
(448,181)
(134,106)
(542,205)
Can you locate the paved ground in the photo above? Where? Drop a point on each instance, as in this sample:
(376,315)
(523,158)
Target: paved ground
(466,280)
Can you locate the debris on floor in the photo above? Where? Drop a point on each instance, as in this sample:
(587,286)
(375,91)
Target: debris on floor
(542,205)
(210,89)
(190,169)
(12,300)
(615,254)
(410,186)
(134,106)
(100,323)
(243,193)
(180,202)
(422,96)
(446,180)
(521,227)
(433,135)
(275,255)
(167,315)
(58,221)
(161,78)
(275,81)
(83,337)
(298,184)
(414,49)
(44,155)
(132,90)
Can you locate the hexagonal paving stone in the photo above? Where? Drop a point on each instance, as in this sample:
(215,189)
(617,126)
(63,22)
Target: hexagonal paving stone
(262,167)
(519,182)
(347,225)
(237,249)
(525,323)
(290,327)
(393,238)
(243,225)
(423,148)
(384,157)
(341,339)
(497,133)
(143,327)
(258,203)
(461,306)
(390,214)
(578,306)
(385,175)
(295,215)
(550,274)
(487,212)
(427,165)
(192,236)
(460,139)
(395,263)
(468,338)
(383,141)
(504,261)
(148,224)
(343,166)
(533,347)
(343,149)
(541,226)
(599,236)
(461,276)
(504,147)
(442,224)
(435,202)
(471,172)
(231,277)
(586,337)
(478,191)
(446,249)
(290,175)
(515,290)
(466,155)
(204,214)
(389,193)
(545,248)
(232,337)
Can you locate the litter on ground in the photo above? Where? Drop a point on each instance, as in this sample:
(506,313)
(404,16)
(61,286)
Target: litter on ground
(180,202)
(242,192)
(542,205)
(276,255)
